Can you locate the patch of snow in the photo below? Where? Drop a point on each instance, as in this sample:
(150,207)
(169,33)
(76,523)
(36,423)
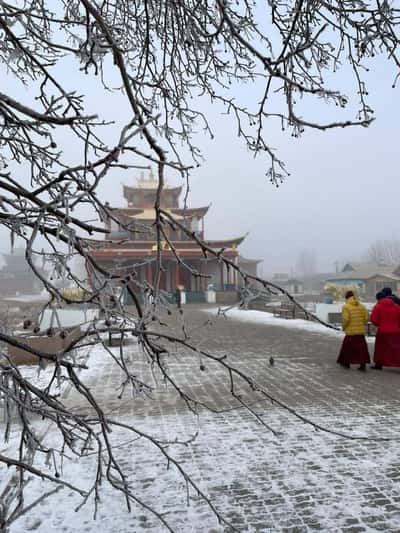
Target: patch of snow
(68,317)
(263,317)
(27,298)
(268,319)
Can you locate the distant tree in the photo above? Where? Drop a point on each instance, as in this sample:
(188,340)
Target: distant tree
(162,57)
(385,252)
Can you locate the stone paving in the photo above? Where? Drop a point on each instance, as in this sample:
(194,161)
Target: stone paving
(296,481)
(304,374)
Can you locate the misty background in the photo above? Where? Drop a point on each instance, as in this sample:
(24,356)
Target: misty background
(342,193)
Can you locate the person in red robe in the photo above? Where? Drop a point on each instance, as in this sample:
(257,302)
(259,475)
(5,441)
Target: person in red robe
(386,317)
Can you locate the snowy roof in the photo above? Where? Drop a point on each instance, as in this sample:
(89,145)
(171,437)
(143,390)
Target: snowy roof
(243,260)
(364,271)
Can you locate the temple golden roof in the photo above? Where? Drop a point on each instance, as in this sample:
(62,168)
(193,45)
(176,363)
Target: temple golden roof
(149,182)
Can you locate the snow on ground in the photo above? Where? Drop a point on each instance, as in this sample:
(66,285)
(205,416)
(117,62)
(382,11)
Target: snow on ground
(68,318)
(263,317)
(41,378)
(302,479)
(268,319)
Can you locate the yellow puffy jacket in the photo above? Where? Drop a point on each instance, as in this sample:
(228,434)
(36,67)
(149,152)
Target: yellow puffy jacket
(354,317)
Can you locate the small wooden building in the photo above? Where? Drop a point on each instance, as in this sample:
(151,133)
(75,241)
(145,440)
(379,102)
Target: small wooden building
(368,278)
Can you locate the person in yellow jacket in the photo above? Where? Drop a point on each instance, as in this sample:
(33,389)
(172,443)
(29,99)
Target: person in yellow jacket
(354,350)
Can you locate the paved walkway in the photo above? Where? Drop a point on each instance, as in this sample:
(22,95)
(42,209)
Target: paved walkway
(304,375)
(298,481)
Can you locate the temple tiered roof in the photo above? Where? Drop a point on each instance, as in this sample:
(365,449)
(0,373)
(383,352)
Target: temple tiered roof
(132,240)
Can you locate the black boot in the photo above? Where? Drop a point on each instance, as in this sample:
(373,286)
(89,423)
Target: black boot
(376,367)
(362,368)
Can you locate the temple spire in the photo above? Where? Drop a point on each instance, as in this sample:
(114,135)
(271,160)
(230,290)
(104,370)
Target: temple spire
(149,182)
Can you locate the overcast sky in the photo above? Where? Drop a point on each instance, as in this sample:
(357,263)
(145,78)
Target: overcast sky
(342,194)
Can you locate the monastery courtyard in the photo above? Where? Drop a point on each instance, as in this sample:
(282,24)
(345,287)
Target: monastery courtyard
(296,480)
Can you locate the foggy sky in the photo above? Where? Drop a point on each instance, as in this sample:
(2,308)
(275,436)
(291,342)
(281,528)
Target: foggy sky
(342,194)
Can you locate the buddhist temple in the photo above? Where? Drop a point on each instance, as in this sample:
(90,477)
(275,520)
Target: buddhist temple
(131,244)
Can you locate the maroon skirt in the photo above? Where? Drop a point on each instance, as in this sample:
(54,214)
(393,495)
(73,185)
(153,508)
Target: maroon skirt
(387,349)
(354,351)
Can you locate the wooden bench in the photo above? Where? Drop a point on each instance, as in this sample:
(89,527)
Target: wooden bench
(116,336)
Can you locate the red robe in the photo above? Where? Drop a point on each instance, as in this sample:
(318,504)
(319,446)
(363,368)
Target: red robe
(354,351)
(386,317)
